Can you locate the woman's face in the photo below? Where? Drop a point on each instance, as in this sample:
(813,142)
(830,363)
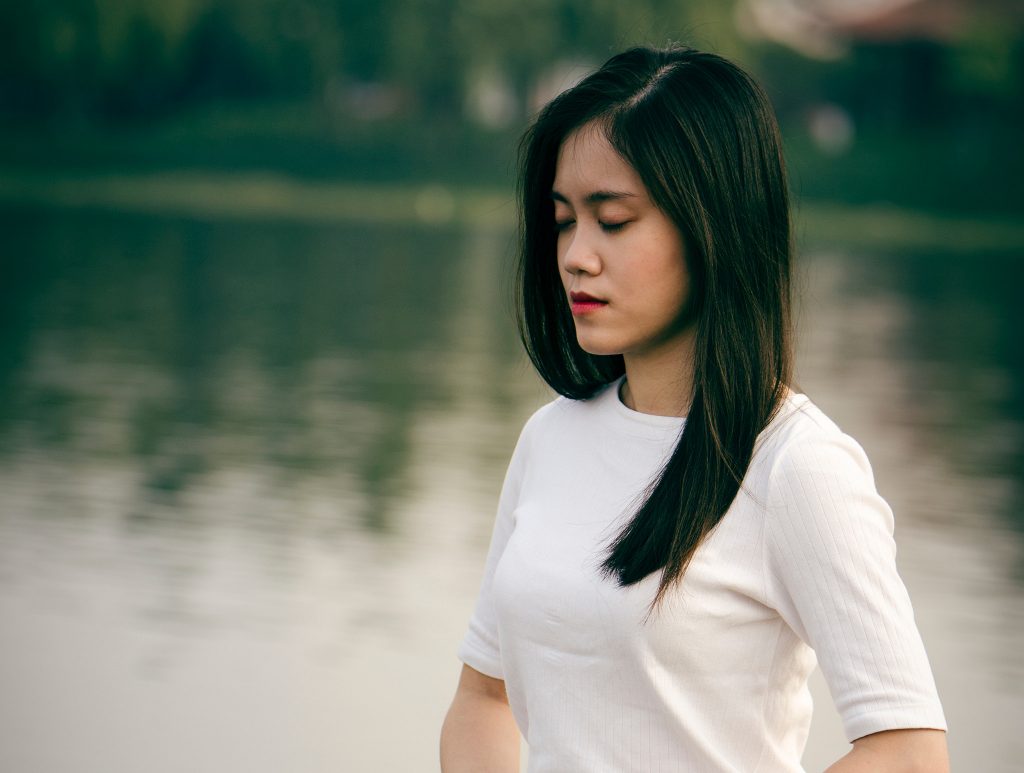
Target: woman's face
(621,259)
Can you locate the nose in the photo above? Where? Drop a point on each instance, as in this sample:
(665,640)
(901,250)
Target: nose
(579,254)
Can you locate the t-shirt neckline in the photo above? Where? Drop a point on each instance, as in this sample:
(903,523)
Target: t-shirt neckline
(635,422)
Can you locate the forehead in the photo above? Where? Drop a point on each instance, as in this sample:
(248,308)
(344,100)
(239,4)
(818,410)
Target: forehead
(587,162)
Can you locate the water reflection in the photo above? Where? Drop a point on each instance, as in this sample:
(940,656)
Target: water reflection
(967,317)
(186,346)
(249,470)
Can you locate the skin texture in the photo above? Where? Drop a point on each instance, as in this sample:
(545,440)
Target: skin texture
(623,250)
(479,733)
(897,751)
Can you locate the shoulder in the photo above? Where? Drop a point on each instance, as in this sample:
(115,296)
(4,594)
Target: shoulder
(562,412)
(802,441)
(562,428)
(540,423)
(541,420)
(817,481)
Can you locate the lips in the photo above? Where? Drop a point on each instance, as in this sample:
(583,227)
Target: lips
(584,303)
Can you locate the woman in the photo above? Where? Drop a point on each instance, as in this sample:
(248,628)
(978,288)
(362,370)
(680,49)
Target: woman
(679,529)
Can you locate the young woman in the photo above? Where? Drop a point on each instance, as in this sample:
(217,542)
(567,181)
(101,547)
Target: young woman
(680,536)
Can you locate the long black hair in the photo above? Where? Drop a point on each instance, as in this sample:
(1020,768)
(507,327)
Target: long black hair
(703,138)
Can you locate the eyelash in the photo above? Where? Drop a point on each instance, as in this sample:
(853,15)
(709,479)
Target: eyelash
(562,225)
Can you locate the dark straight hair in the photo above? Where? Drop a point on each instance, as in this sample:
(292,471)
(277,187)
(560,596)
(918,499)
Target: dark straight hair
(702,136)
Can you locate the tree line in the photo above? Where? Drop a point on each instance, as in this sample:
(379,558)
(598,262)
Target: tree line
(119,59)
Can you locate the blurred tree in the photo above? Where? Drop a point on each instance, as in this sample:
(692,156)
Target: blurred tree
(421,85)
(218,61)
(122,57)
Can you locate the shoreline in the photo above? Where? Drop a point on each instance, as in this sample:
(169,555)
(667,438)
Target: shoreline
(273,196)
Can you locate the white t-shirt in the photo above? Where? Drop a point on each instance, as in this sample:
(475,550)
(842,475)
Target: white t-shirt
(717,679)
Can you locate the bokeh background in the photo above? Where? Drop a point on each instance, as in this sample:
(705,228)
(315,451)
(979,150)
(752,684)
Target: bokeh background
(259,381)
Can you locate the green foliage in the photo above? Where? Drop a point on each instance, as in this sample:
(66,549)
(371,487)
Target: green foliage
(124,58)
(396,89)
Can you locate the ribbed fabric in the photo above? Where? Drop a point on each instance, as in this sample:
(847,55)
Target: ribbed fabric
(717,681)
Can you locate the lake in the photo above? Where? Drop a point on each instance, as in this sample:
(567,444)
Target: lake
(248,469)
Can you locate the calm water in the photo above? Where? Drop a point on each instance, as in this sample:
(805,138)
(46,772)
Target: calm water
(248,471)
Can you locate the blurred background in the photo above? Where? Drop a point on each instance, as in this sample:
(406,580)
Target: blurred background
(259,381)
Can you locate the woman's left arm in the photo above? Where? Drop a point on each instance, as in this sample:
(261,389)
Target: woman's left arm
(896,751)
(832,576)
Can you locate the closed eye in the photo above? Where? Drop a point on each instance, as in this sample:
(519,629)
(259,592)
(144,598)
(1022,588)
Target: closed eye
(613,227)
(564,225)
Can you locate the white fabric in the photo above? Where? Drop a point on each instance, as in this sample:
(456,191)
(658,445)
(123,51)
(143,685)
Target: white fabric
(717,680)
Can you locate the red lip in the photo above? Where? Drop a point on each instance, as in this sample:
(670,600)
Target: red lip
(584,303)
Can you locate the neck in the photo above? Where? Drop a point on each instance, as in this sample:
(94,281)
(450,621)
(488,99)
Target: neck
(660,381)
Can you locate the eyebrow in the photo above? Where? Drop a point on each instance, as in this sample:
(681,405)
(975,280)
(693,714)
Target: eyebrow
(596,197)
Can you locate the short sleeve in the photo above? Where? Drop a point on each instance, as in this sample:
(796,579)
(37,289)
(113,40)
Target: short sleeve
(481,646)
(832,576)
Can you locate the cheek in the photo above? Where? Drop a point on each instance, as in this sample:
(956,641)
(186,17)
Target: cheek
(665,282)
(669,303)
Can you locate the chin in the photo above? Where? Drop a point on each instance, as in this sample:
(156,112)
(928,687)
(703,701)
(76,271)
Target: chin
(597,346)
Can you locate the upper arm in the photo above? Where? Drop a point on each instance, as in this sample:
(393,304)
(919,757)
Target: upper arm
(473,683)
(900,751)
(833,578)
